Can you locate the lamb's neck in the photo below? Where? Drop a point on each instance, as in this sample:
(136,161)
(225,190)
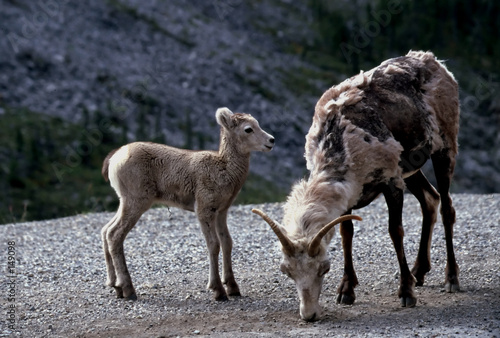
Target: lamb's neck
(237,162)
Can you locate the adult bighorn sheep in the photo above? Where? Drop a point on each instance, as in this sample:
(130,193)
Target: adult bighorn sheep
(371,134)
(205,182)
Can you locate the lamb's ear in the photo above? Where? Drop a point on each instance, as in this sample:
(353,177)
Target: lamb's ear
(223,116)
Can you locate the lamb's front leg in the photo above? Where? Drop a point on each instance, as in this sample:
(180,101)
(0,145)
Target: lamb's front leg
(207,218)
(227,245)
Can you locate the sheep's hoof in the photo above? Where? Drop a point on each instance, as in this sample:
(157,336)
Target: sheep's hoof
(408,301)
(345,299)
(419,275)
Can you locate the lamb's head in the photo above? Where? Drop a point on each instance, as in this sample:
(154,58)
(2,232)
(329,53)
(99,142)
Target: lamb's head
(305,260)
(244,131)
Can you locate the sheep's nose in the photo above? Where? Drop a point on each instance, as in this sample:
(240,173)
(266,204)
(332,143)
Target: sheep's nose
(312,318)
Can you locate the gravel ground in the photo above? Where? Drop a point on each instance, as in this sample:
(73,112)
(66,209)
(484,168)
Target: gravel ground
(60,272)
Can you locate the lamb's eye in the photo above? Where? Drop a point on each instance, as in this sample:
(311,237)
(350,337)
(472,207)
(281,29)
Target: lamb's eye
(248,130)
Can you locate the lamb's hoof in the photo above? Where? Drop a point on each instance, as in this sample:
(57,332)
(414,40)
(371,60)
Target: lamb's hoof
(345,299)
(119,292)
(452,287)
(233,290)
(234,293)
(408,301)
(221,298)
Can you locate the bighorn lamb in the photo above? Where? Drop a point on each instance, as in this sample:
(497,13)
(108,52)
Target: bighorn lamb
(205,182)
(371,134)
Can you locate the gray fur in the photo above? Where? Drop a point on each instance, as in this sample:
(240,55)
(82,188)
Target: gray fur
(206,182)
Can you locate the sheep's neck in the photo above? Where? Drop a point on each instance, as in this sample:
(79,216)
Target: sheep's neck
(314,203)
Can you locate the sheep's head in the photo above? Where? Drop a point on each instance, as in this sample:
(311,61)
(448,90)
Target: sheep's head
(306,262)
(244,131)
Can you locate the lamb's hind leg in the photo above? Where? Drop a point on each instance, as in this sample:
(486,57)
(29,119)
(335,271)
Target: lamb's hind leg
(115,236)
(110,268)
(429,202)
(227,245)
(444,164)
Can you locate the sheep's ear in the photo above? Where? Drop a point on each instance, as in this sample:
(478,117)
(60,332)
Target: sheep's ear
(223,116)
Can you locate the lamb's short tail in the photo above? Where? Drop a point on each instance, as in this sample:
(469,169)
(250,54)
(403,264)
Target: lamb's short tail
(105,165)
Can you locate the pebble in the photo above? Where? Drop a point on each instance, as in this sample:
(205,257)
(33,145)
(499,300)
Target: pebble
(171,284)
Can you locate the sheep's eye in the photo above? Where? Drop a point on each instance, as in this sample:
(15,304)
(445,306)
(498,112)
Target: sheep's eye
(248,130)
(324,268)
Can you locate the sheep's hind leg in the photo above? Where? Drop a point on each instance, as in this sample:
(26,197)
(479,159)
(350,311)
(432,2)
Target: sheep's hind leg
(227,244)
(394,198)
(429,202)
(207,218)
(349,281)
(444,164)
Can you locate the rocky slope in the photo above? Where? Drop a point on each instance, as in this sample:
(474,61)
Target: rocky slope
(182,60)
(159,70)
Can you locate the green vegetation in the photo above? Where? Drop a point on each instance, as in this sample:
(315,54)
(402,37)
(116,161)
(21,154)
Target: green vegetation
(362,33)
(257,189)
(358,35)
(51,167)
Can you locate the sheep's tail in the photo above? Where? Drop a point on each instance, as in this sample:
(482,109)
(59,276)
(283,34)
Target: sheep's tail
(105,165)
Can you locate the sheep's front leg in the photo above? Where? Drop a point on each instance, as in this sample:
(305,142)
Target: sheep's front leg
(345,290)
(227,246)
(207,218)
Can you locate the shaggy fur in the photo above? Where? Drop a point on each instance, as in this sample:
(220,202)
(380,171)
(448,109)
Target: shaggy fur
(371,134)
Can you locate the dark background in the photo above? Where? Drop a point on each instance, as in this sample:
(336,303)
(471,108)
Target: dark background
(78,79)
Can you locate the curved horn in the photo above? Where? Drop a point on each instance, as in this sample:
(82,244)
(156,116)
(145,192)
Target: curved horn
(288,247)
(314,245)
